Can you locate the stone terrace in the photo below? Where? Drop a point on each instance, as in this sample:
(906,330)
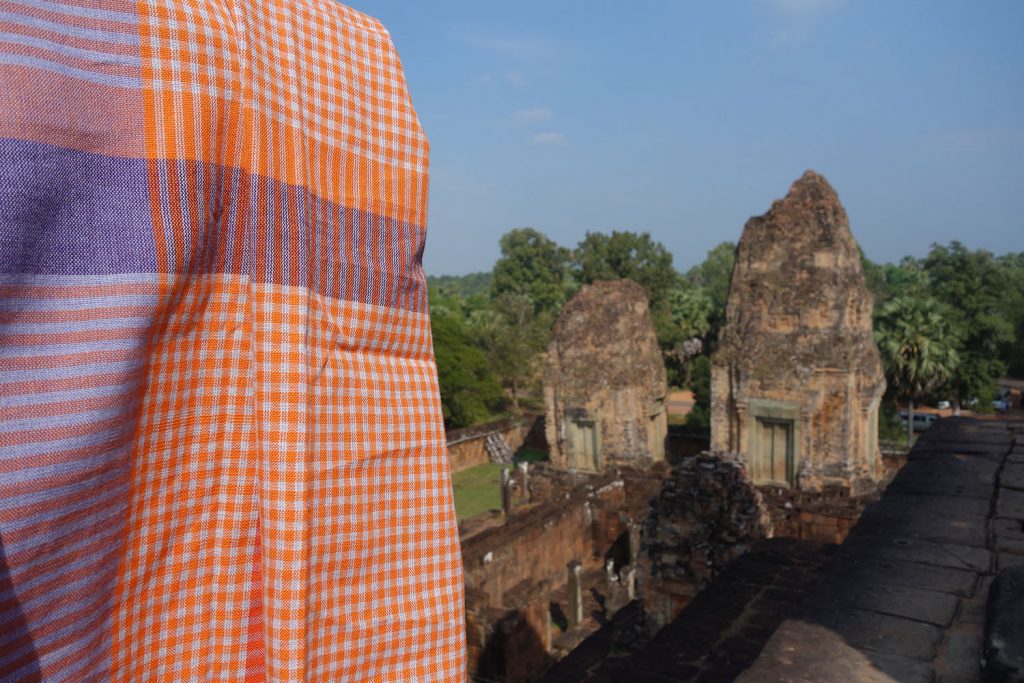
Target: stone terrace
(904,598)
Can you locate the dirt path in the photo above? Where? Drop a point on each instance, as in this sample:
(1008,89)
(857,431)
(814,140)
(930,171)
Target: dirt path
(680,402)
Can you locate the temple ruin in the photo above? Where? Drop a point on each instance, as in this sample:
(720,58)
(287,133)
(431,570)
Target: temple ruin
(759,554)
(604,384)
(797,379)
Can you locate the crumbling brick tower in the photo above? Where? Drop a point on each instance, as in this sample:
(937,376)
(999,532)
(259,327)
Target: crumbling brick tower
(797,379)
(604,383)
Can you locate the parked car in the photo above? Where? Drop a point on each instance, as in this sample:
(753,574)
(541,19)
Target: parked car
(922,421)
(1001,401)
(943,405)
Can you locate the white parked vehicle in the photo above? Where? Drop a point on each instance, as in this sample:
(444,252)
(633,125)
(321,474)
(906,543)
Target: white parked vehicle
(922,421)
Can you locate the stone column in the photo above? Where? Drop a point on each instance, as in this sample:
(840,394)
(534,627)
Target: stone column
(633,527)
(506,493)
(575,594)
(613,590)
(524,475)
(628,577)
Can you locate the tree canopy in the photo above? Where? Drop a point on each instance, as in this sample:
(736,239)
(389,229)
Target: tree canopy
(1012,349)
(918,347)
(624,254)
(960,313)
(713,276)
(470,392)
(534,266)
(512,335)
(974,288)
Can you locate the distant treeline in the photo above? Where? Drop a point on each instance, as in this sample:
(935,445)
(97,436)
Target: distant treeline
(490,328)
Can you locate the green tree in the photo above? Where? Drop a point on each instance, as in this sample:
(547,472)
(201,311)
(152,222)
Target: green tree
(887,280)
(700,385)
(467,286)
(690,311)
(874,276)
(534,266)
(513,335)
(907,278)
(1012,350)
(918,349)
(469,391)
(625,254)
(974,288)
(713,276)
(691,308)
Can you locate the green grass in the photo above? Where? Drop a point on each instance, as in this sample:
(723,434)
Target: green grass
(492,417)
(531,403)
(477,490)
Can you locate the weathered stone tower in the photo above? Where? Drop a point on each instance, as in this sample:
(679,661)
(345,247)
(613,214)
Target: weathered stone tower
(797,379)
(604,384)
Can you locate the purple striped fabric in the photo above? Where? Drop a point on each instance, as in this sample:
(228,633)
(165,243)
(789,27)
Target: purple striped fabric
(221,444)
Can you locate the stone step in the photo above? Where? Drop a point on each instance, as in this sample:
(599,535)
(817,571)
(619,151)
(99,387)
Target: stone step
(498,450)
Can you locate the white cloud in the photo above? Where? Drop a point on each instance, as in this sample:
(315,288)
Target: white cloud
(803,8)
(531,115)
(547,138)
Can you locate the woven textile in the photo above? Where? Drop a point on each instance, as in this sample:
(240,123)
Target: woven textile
(222,455)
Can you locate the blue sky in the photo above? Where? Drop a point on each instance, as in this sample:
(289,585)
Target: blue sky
(683,119)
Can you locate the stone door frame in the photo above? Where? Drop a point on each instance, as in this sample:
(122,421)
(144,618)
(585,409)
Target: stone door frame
(774,411)
(579,427)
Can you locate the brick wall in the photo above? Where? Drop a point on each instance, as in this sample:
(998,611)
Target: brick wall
(509,571)
(466,446)
(539,543)
(825,516)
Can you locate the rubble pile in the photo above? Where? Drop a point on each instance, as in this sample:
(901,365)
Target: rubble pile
(707,514)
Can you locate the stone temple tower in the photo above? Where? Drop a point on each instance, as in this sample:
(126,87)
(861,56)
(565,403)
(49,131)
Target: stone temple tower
(604,382)
(797,379)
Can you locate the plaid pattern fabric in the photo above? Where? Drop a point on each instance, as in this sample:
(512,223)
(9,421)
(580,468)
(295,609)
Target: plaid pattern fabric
(222,448)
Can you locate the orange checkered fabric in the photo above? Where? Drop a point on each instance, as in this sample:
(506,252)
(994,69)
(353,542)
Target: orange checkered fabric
(222,455)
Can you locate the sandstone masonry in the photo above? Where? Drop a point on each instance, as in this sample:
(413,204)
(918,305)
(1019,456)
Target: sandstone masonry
(797,379)
(604,384)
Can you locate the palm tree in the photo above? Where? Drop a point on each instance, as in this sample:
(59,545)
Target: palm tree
(918,348)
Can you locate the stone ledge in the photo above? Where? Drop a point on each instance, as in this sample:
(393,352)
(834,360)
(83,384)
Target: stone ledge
(904,598)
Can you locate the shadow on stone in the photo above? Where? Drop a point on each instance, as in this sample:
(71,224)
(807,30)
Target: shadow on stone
(1004,628)
(515,652)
